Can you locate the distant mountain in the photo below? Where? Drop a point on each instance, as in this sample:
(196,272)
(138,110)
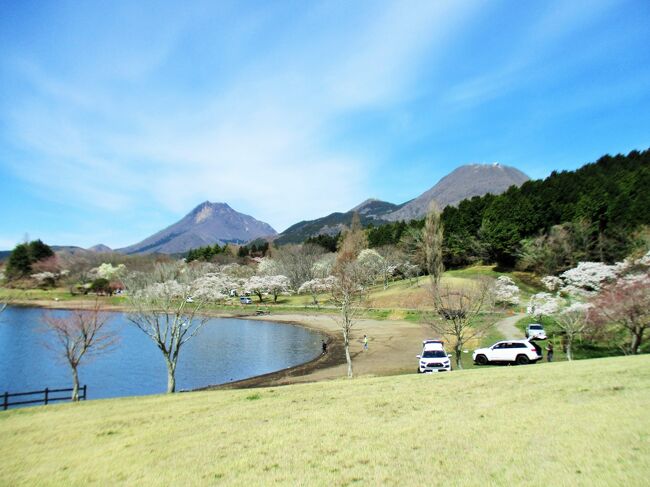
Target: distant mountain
(370,211)
(464,182)
(100,249)
(207,224)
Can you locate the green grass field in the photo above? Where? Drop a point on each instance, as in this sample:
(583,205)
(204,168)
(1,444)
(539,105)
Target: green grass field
(581,423)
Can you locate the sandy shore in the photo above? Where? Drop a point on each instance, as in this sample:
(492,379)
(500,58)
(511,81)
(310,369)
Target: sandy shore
(392,346)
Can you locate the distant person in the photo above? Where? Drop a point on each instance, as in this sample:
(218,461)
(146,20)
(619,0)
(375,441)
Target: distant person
(365,342)
(549,352)
(324,346)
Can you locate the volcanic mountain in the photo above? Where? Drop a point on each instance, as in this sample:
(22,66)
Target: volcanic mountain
(207,224)
(464,182)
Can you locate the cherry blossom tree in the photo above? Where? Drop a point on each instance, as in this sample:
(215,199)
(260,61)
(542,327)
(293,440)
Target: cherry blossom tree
(79,336)
(323,267)
(277,285)
(165,306)
(506,291)
(393,257)
(372,265)
(624,305)
(317,286)
(543,304)
(110,272)
(268,267)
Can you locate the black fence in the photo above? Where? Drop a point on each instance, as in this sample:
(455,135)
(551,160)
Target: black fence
(46,399)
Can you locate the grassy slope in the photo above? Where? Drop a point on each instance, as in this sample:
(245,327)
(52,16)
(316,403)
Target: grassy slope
(581,423)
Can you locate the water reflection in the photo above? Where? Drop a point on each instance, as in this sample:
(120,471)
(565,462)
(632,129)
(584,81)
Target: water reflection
(224,350)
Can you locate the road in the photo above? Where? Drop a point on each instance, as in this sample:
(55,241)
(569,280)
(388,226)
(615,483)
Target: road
(508,329)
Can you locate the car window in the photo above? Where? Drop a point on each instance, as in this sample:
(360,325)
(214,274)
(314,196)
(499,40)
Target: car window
(499,345)
(535,327)
(433,354)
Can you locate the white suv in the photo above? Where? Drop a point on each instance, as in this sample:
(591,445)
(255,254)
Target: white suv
(433,357)
(520,352)
(535,331)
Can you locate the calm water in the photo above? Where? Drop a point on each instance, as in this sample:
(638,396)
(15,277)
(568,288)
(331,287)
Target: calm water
(224,350)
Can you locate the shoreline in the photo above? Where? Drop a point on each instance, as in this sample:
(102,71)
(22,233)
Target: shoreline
(393,345)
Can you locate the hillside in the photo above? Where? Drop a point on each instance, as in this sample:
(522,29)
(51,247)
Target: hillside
(207,224)
(370,211)
(579,423)
(464,182)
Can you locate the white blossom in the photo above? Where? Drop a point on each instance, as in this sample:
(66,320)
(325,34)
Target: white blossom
(110,272)
(543,304)
(317,286)
(323,267)
(576,307)
(589,276)
(268,267)
(371,263)
(506,291)
(552,283)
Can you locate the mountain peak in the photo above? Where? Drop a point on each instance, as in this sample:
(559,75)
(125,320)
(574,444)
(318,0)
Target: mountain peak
(206,224)
(463,182)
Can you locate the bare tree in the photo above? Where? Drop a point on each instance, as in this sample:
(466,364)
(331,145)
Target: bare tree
(297,262)
(348,294)
(348,290)
(458,311)
(432,235)
(165,307)
(79,335)
(572,321)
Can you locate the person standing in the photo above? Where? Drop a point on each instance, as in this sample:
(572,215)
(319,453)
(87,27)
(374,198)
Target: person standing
(365,342)
(549,351)
(324,346)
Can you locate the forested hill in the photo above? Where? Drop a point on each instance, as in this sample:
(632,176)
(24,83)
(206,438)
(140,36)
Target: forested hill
(591,213)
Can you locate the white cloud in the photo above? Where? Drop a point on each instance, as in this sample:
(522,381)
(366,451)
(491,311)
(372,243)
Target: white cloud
(262,142)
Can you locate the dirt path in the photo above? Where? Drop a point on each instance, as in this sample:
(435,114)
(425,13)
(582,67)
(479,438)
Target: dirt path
(508,329)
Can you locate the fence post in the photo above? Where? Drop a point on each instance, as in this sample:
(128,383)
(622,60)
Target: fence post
(85,385)
(47,393)
(6,401)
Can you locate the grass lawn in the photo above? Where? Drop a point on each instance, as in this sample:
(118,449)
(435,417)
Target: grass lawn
(579,423)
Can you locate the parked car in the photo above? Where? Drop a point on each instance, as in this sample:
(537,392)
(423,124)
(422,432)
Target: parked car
(535,331)
(520,352)
(245,300)
(433,358)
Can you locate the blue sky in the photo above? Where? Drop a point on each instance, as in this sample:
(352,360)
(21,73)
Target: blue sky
(117,118)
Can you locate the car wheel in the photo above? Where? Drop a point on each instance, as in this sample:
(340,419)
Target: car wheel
(481,360)
(522,360)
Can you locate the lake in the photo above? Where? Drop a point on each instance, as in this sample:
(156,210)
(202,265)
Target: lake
(223,351)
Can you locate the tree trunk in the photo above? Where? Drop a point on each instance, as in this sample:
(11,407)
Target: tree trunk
(275,298)
(637,337)
(75,385)
(259,295)
(171,376)
(458,348)
(569,342)
(348,358)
